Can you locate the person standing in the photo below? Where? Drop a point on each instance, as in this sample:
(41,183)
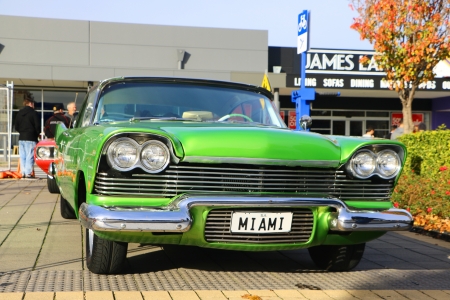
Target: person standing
(388,136)
(398,132)
(28,125)
(369,132)
(422,126)
(71,113)
(57,118)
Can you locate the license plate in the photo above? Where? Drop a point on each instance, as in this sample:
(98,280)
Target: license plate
(261,222)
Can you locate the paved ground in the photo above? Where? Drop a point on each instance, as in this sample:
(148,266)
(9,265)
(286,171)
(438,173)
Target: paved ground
(41,257)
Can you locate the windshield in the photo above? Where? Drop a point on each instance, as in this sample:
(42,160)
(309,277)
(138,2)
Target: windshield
(143,100)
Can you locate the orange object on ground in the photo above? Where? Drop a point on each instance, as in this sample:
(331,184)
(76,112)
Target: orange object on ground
(10,174)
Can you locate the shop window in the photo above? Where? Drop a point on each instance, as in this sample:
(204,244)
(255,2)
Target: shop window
(320,113)
(348,113)
(381,114)
(356,128)
(381,128)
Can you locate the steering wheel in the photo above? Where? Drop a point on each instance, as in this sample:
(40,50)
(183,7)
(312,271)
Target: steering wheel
(226,117)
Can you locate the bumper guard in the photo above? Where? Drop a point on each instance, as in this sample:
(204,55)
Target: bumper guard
(176,217)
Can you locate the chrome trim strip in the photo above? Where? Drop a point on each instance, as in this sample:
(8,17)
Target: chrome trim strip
(262,161)
(177,218)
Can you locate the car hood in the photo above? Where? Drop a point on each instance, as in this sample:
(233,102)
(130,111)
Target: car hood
(239,144)
(235,143)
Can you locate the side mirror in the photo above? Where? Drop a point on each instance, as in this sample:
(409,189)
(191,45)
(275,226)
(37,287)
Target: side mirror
(305,122)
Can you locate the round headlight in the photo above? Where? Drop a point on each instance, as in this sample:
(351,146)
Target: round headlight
(155,156)
(43,152)
(363,164)
(123,154)
(388,163)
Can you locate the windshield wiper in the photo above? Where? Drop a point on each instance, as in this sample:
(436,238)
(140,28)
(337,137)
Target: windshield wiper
(162,118)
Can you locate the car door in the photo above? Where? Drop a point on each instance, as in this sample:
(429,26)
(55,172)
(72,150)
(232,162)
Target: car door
(70,153)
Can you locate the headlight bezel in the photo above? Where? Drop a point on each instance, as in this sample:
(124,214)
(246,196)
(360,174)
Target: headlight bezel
(377,151)
(139,143)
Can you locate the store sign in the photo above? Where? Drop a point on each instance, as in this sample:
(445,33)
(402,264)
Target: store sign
(368,82)
(340,62)
(341,69)
(292,119)
(397,116)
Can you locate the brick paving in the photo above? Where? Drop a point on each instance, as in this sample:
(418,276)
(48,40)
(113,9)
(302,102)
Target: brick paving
(41,257)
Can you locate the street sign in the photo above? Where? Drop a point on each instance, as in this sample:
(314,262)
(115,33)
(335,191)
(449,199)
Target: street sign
(303,27)
(304,95)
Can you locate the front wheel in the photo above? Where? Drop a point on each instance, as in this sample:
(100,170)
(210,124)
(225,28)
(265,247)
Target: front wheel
(337,258)
(52,186)
(103,256)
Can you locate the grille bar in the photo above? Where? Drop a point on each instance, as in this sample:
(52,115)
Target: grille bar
(218,178)
(218,223)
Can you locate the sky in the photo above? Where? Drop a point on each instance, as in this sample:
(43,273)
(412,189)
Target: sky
(329,27)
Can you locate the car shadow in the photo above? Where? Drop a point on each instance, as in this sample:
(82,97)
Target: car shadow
(148,258)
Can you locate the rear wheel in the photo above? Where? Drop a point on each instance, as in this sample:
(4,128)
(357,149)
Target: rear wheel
(103,256)
(52,186)
(67,211)
(337,258)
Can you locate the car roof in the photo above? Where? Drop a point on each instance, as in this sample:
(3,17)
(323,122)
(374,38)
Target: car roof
(206,82)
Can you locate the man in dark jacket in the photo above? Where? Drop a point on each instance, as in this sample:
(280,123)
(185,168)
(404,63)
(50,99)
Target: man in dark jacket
(28,125)
(57,118)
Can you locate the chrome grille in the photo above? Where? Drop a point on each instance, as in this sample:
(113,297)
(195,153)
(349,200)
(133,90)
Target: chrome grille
(218,222)
(217,178)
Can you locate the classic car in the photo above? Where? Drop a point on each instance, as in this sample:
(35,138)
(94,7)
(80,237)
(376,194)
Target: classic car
(211,164)
(44,158)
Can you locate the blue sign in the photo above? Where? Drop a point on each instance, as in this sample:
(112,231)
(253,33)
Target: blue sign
(302,39)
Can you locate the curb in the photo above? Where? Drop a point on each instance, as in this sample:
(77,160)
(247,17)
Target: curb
(432,233)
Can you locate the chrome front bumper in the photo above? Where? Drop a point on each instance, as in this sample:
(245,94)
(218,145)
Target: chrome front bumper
(177,218)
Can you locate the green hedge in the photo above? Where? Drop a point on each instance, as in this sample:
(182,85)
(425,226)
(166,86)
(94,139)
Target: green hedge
(424,185)
(427,151)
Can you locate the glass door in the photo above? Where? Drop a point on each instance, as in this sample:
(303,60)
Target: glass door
(339,127)
(355,128)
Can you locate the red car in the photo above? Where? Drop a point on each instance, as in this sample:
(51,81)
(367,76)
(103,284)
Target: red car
(44,156)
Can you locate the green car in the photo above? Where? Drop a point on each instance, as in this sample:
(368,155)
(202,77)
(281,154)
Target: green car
(211,164)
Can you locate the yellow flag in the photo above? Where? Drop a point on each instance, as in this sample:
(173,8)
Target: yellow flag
(266,84)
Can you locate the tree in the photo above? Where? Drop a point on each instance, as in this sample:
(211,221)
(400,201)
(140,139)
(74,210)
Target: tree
(410,37)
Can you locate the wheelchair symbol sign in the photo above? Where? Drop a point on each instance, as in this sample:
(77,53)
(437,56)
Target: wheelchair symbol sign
(302,39)
(302,24)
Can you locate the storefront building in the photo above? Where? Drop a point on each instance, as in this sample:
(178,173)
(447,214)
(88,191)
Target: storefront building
(364,100)
(56,61)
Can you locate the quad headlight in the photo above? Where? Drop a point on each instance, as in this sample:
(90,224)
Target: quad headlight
(125,154)
(365,163)
(388,163)
(154,156)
